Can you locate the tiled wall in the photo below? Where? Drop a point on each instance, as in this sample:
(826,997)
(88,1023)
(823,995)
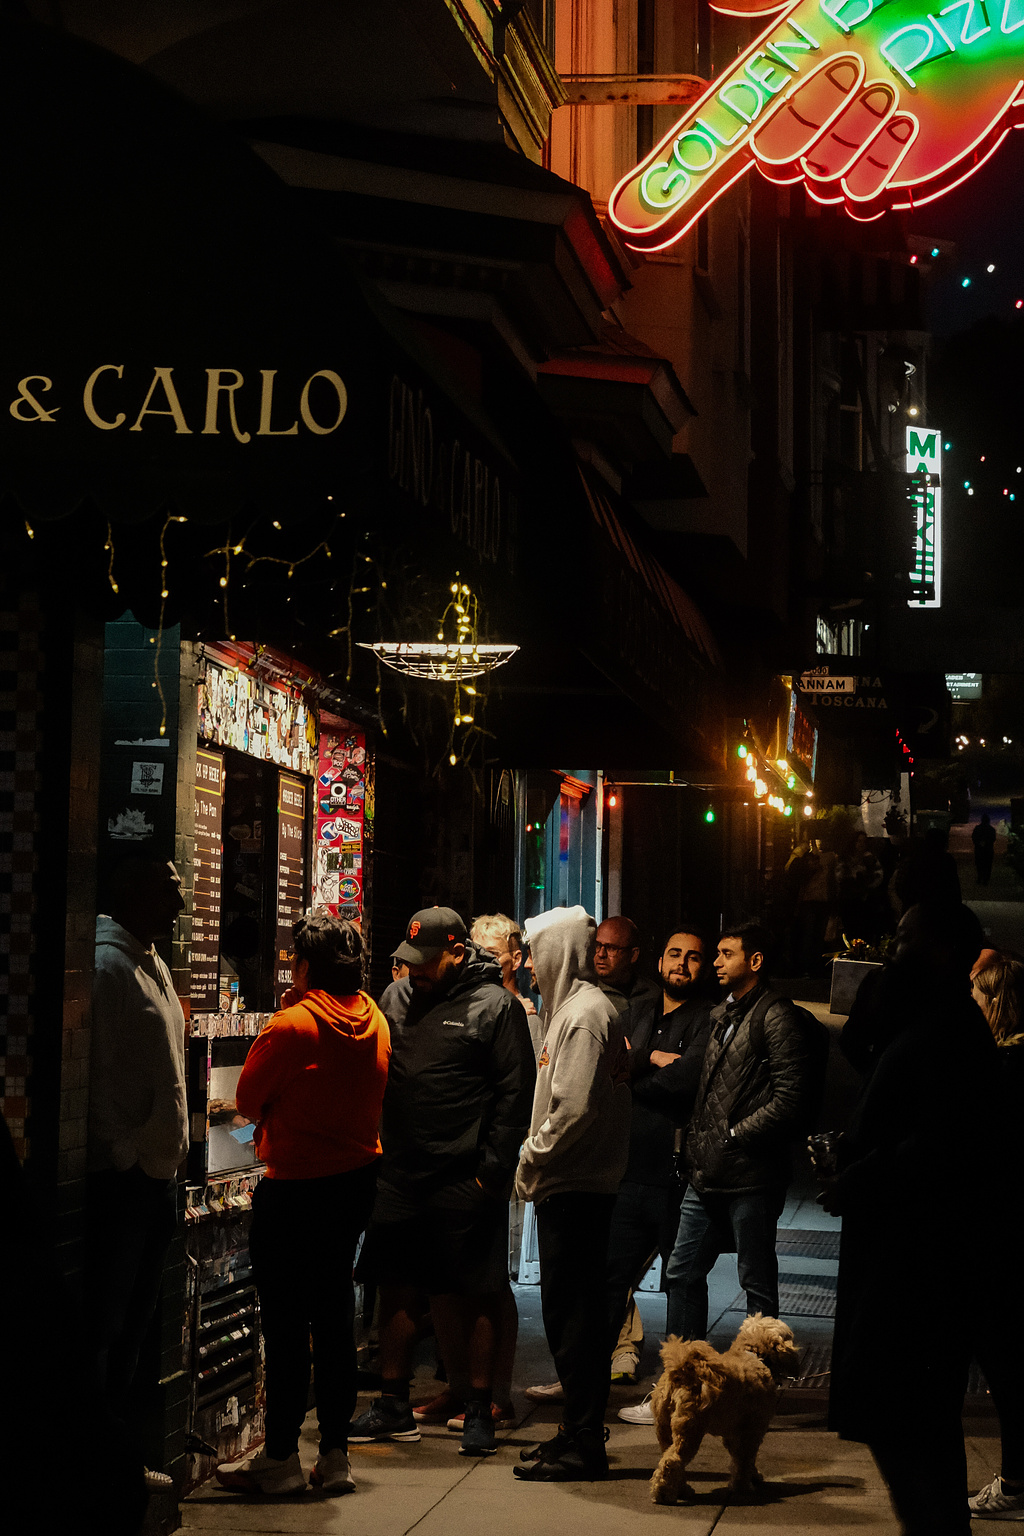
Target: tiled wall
(21,684)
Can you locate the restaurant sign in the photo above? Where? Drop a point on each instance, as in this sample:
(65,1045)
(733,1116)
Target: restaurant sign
(223,403)
(822,681)
(872,104)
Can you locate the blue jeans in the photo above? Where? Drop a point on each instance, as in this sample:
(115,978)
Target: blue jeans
(710,1225)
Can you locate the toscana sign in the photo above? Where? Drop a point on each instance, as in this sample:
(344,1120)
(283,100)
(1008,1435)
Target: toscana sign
(872,104)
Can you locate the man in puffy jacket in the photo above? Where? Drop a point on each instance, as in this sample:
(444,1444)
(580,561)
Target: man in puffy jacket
(572,1164)
(753,1090)
(455,1113)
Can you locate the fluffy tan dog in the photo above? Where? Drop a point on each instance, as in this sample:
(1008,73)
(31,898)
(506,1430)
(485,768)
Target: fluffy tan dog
(702,1392)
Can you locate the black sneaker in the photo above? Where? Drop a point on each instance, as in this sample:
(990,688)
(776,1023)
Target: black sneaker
(584,1459)
(547,1450)
(478,1433)
(386,1419)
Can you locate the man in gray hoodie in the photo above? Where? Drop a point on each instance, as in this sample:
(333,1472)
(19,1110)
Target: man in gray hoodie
(571,1167)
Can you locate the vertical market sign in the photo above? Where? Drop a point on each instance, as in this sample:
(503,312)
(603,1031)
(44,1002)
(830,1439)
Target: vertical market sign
(924,495)
(872,104)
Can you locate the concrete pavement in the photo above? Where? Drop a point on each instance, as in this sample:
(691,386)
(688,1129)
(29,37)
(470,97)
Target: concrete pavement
(815,1482)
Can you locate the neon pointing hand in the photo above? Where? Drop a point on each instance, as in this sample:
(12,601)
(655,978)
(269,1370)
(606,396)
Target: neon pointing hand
(872,104)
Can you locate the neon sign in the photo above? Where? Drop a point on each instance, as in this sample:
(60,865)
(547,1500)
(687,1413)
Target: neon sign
(872,104)
(924,465)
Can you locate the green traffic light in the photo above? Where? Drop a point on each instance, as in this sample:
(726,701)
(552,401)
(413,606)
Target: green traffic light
(788,811)
(741,750)
(709,816)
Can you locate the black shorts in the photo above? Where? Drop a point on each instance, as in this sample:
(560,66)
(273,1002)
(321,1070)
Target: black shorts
(441,1248)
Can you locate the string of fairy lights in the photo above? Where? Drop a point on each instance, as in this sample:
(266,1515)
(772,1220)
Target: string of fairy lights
(457,655)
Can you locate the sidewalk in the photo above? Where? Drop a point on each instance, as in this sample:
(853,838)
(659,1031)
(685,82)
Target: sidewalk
(815,1482)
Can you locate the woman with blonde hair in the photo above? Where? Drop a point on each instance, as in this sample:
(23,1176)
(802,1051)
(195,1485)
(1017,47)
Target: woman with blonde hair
(997,986)
(998,989)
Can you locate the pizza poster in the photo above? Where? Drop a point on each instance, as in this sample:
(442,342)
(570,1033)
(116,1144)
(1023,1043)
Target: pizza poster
(340,788)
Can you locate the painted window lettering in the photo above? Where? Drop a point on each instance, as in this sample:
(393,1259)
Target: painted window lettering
(109,397)
(873,104)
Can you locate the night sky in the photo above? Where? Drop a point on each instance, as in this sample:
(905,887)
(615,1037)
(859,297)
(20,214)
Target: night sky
(985,217)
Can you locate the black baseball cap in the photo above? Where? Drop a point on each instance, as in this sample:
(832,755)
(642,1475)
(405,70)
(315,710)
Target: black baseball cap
(430,931)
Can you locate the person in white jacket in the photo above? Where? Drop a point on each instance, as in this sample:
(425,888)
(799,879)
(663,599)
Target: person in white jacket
(138,1125)
(571,1166)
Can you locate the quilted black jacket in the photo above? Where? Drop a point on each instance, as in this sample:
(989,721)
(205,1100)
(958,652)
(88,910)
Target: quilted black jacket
(758,1095)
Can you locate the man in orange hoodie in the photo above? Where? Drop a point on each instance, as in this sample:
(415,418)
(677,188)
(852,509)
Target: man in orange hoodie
(314,1083)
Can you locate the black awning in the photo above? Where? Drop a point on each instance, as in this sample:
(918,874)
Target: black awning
(176,336)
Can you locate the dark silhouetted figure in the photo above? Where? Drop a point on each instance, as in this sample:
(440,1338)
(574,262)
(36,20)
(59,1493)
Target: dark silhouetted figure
(928,872)
(923,1142)
(984,839)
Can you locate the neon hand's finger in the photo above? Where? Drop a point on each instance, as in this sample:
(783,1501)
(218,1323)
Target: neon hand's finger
(807,112)
(843,143)
(872,172)
(746,7)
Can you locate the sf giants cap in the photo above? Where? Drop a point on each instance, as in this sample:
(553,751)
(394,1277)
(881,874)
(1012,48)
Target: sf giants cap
(430,931)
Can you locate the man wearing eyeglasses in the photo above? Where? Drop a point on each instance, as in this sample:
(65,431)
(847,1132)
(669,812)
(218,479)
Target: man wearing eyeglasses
(617,964)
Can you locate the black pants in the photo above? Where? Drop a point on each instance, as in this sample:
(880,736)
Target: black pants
(303,1243)
(130,1223)
(644,1222)
(572,1239)
(920,1449)
(1001,1357)
(925,1470)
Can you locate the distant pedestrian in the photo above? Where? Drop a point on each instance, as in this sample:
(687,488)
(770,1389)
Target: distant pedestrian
(138,1128)
(923,1142)
(859,877)
(753,1091)
(313,1082)
(572,1164)
(455,1113)
(984,839)
(617,963)
(811,874)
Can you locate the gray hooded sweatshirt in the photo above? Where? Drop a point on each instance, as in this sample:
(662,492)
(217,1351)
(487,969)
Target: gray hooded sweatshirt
(579,1133)
(137,1111)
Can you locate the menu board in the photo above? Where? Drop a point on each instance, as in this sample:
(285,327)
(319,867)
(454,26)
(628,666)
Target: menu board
(204,950)
(291,872)
(341,792)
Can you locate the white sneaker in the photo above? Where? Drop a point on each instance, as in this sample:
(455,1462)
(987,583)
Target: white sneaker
(995,1503)
(643,1413)
(550,1392)
(625,1365)
(263,1474)
(332,1472)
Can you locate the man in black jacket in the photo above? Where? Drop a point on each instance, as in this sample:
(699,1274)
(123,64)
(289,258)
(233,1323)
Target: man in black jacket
(667,1038)
(753,1089)
(456,1110)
